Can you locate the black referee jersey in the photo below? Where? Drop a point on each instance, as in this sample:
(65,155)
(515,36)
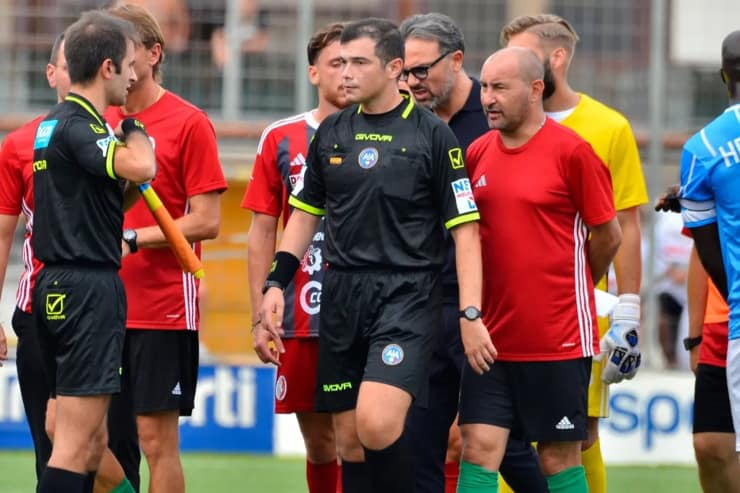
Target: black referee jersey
(78,200)
(385,184)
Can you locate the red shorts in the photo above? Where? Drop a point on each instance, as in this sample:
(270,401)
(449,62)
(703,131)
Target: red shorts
(295,386)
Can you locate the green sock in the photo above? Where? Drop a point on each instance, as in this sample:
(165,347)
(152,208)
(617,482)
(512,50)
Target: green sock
(474,479)
(124,487)
(571,480)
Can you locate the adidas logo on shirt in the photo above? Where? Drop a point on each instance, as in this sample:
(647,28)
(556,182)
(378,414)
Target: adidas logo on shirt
(564,424)
(481,182)
(176,390)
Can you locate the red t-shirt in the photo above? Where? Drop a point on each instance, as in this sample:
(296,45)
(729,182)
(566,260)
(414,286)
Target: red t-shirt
(278,171)
(713,349)
(16,196)
(160,295)
(535,203)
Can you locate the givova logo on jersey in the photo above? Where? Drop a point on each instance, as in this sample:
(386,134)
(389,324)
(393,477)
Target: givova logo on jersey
(297,172)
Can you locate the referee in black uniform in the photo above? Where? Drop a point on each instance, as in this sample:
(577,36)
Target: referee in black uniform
(386,174)
(79,302)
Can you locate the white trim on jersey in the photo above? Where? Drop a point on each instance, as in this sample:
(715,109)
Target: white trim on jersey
(23,295)
(583,306)
(281,123)
(707,144)
(190,292)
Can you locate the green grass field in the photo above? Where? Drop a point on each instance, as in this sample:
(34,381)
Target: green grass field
(211,473)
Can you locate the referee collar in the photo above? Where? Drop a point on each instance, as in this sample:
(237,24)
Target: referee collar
(409,104)
(86,105)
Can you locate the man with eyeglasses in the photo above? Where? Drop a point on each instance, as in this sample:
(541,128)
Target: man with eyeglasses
(434,73)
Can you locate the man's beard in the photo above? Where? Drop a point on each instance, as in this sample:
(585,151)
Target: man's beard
(549,81)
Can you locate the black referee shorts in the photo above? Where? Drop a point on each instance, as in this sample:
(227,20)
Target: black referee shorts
(376,326)
(712,412)
(80,314)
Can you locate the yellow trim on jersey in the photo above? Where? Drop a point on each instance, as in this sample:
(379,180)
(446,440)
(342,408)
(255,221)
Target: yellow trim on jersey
(315,211)
(409,106)
(465,218)
(109,159)
(86,106)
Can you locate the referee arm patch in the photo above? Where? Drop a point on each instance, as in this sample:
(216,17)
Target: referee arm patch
(308,208)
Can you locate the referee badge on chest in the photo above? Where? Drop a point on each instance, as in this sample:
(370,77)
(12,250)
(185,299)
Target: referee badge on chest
(368,157)
(392,355)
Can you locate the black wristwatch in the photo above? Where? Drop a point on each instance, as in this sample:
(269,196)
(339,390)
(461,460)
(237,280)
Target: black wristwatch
(470,313)
(129,236)
(272,284)
(690,343)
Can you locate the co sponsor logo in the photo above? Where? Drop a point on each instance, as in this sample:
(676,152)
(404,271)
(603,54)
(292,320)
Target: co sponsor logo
(368,157)
(392,355)
(311,297)
(281,388)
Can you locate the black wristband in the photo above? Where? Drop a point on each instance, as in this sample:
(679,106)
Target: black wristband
(282,271)
(690,343)
(129,125)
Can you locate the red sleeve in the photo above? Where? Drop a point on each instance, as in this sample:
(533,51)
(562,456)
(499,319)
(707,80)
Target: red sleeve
(266,188)
(11,177)
(472,157)
(590,185)
(201,168)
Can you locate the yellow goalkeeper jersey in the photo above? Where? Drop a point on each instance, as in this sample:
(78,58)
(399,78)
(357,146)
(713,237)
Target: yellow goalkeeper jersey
(610,135)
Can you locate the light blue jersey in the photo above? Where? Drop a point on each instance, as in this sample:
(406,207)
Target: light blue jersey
(710,192)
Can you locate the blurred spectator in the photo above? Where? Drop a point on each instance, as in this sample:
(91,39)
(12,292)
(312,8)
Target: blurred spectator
(174,19)
(671,266)
(252,31)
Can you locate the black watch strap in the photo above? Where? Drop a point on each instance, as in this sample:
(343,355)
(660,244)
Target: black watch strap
(690,343)
(470,313)
(130,237)
(272,284)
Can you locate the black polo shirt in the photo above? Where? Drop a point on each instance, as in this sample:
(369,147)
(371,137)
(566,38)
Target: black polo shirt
(78,200)
(386,183)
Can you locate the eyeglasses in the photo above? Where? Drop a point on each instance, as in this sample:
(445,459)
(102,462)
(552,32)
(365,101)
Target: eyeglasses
(421,72)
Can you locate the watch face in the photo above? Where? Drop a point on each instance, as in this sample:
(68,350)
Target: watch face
(129,235)
(471,313)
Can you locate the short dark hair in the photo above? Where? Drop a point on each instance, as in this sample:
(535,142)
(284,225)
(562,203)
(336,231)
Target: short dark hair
(434,27)
(731,62)
(95,37)
(54,55)
(321,39)
(387,37)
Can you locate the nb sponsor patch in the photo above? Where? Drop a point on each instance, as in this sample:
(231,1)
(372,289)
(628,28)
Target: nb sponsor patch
(456,158)
(44,133)
(463,196)
(103,144)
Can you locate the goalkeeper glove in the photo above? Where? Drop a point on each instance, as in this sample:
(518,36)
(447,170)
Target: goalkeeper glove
(619,346)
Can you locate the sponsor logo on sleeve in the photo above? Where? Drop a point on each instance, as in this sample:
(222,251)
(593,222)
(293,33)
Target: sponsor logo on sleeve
(463,196)
(392,355)
(456,158)
(104,144)
(44,133)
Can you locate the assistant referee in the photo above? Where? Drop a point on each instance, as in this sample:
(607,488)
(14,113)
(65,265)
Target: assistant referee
(386,174)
